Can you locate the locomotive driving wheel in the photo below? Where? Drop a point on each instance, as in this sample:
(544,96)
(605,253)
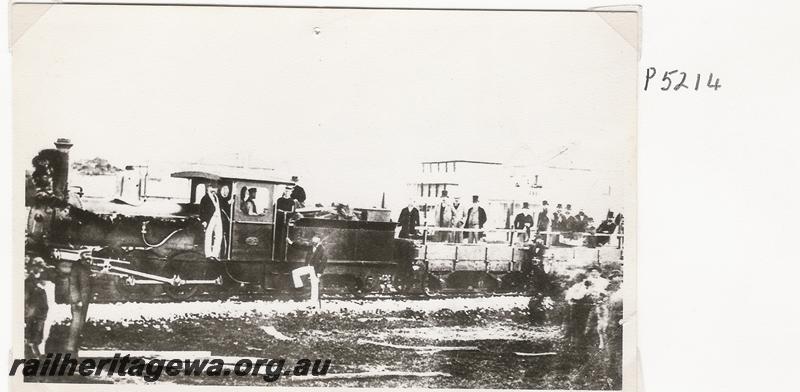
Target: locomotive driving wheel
(186,266)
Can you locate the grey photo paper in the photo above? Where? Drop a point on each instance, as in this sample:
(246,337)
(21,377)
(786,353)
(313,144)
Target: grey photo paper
(245,195)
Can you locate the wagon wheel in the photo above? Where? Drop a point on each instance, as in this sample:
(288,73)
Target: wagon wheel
(513,282)
(355,285)
(434,284)
(188,266)
(371,283)
(485,283)
(401,284)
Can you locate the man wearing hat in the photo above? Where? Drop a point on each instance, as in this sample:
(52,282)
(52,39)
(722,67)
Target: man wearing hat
(211,216)
(36,306)
(557,218)
(476,217)
(607,227)
(593,285)
(298,193)
(524,221)
(543,220)
(599,283)
(443,215)
(568,220)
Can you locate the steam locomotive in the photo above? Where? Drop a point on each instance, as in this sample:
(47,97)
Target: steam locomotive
(140,252)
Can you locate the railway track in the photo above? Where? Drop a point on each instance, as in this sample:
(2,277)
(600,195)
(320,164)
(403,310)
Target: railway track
(303,295)
(243,306)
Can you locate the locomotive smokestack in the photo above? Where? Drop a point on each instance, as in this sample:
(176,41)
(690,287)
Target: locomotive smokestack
(61,177)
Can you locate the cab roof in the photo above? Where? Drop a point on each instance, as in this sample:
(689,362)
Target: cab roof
(234,174)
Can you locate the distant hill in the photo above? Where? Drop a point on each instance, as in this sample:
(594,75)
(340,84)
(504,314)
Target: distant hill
(95,167)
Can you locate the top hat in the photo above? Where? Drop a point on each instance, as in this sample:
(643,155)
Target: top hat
(524,204)
(444,193)
(544,202)
(610,215)
(475,198)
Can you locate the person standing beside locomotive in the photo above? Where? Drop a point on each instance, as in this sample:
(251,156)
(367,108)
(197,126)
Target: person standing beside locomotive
(225,209)
(285,203)
(315,262)
(211,216)
(284,207)
(36,307)
(476,218)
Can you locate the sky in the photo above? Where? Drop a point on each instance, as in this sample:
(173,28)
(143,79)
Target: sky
(350,100)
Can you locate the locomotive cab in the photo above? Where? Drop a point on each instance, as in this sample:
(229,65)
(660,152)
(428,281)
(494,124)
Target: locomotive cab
(250,219)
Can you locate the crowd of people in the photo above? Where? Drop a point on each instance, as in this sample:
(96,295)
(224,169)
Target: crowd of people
(460,222)
(454,221)
(570,226)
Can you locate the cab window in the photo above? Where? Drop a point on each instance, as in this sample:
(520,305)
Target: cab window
(253,202)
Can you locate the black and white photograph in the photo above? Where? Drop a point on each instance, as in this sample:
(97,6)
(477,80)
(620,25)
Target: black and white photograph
(325,196)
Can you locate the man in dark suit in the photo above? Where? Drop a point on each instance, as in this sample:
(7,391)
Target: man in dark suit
(285,203)
(408,221)
(298,193)
(316,260)
(476,218)
(36,306)
(316,256)
(284,207)
(543,221)
(524,221)
(558,220)
(607,227)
